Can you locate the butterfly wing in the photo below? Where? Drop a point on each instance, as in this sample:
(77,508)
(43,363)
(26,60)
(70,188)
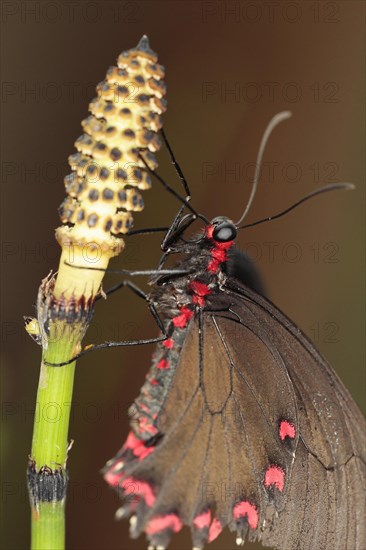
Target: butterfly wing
(256,432)
(324,499)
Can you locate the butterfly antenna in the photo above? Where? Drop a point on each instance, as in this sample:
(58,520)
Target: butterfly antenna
(325,189)
(283,115)
(176,165)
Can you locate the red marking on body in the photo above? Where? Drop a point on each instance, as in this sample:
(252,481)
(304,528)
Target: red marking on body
(215,530)
(213,266)
(219,255)
(134,486)
(158,524)
(198,300)
(163,364)
(201,289)
(274,476)
(137,446)
(219,252)
(247,509)
(154,382)
(209,231)
(287,429)
(203,520)
(168,343)
(181,320)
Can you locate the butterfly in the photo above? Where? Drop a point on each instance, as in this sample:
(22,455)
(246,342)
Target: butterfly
(241,423)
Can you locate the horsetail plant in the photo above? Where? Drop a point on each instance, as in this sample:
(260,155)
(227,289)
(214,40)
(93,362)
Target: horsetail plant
(103,190)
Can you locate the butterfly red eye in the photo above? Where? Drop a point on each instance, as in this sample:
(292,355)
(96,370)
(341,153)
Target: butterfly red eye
(224,232)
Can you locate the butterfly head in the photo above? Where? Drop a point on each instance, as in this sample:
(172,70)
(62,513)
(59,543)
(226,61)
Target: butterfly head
(222,230)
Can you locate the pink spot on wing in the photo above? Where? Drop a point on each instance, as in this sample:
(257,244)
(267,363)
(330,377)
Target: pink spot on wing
(145,425)
(246,509)
(113,478)
(202,520)
(287,429)
(215,530)
(137,446)
(274,476)
(132,441)
(181,320)
(168,343)
(134,486)
(144,407)
(115,473)
(163,364)
(160,523)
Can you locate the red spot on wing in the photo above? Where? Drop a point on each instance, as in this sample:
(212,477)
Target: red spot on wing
(134,486)
(160,523)
(248,510)
(202,520)
(215,530)
(145,425)
(144,407)
(168,343)
(137,446)
(274,476)
(287,429)
(181,320)
(132,441)
(163,364)
(115,474)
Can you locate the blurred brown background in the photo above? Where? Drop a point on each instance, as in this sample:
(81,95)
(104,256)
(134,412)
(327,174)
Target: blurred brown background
(230,66)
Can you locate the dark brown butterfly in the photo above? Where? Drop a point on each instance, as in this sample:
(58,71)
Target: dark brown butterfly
(241,422)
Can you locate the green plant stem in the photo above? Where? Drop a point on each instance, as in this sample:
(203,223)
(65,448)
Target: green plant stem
(48,527)
(50,435)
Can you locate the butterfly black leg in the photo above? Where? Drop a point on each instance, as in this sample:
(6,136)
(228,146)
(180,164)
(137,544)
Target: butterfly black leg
(136,290)
(141,294)
(107,345)
(176,165)
(149,272)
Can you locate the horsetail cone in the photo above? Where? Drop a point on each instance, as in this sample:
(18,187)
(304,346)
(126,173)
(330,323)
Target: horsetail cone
(108,173)
(108,170)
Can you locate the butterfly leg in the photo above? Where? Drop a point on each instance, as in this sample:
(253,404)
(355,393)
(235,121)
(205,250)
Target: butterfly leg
(136,290)
(141,294)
